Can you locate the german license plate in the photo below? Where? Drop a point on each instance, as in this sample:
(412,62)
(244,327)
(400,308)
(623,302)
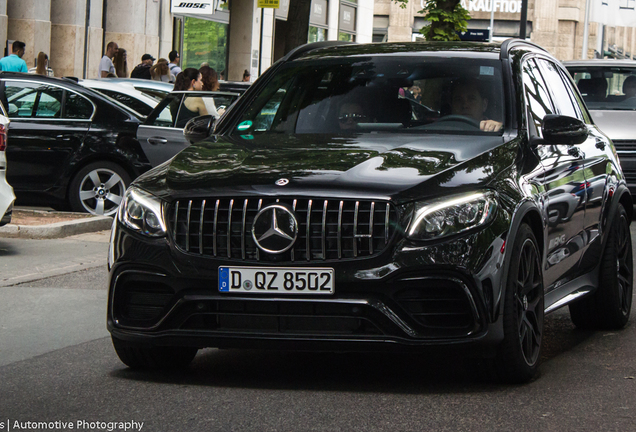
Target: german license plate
(273,280)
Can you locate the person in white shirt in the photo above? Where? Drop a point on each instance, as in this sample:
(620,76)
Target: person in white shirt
(174,62)
(210,81)
(106,65)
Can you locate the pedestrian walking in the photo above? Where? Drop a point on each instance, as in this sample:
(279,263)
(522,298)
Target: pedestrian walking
(175,59)
(121,63)
(42,66)
(106,65)
(14,62)
(142,70)
(210,82)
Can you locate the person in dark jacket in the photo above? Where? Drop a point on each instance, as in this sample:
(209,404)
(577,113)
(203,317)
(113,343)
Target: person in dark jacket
(142,70)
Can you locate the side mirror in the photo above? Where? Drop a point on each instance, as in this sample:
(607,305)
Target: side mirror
(559,129)
(198,128)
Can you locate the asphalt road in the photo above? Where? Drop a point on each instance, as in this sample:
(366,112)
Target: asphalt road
(57,364)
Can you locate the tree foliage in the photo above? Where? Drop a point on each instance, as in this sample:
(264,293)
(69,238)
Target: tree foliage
(446,17)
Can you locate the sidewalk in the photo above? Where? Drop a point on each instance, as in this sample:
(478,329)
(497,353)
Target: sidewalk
(28,223)
(26,260)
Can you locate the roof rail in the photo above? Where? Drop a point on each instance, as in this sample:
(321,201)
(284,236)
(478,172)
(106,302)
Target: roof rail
(508,44)
(298,51)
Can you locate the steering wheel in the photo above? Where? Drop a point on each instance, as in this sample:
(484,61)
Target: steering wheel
(460,118)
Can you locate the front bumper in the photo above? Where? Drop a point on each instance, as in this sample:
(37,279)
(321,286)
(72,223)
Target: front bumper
(406,298)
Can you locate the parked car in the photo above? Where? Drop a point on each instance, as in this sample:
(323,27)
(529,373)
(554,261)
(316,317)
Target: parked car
(125,92)
(69,145)
(329,211)
(161,134)
(6,191)
(603,84)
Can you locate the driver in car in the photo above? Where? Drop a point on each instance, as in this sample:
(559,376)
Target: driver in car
(467,100)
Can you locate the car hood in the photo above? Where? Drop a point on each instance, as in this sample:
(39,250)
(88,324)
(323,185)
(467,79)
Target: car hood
(616,124)
(380,166)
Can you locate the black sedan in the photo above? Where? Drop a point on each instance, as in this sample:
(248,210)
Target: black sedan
(69,145)
(402,196)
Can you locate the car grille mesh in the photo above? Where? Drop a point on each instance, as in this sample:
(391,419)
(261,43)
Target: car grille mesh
(327,229)
(624,145)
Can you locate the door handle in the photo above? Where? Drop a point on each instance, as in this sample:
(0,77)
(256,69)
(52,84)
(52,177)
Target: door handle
(157,140)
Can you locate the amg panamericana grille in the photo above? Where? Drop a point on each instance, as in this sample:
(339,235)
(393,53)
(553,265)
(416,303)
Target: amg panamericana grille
(327,229)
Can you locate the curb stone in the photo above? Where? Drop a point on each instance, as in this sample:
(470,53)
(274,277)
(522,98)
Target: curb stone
(58,229)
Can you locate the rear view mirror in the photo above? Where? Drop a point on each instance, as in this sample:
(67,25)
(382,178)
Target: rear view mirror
(198,128)
(559,129)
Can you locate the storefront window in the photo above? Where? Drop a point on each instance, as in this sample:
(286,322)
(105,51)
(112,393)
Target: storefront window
(204,42)
(346,37)
(317,34)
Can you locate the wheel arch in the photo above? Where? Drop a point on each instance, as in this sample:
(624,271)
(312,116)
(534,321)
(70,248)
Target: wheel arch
(528,213)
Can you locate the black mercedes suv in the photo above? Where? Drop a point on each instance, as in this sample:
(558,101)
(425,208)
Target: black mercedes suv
(404,196)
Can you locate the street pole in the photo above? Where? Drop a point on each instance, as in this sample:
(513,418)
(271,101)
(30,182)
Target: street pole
(586,30)
(492,19)
(524,19)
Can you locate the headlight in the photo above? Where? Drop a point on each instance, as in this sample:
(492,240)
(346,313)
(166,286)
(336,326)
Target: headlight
(452,215)
(141,212)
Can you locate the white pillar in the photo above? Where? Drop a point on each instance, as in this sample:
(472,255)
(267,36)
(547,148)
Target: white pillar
(30,22)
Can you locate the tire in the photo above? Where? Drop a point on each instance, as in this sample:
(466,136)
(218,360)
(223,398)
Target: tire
(98,188)
(518,356)
(138,356)
(609,307)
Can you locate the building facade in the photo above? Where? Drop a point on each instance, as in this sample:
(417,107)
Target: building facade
(237,36)
(556,25)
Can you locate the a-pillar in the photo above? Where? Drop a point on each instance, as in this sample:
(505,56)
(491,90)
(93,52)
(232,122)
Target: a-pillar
(69,55)
(245,28)
(30,22)
(134,26)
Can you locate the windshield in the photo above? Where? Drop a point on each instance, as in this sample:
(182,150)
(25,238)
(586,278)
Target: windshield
(389,93)
(606,88)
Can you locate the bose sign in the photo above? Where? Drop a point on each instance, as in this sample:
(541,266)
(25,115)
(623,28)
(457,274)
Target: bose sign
(201,7)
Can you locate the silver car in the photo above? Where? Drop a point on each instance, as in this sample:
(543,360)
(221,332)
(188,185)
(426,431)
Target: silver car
(608,88)
(6,191)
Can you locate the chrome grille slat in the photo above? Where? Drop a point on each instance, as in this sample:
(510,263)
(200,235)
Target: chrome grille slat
(324,230)
(216,219)
(308,238)
(243,229)
(340,207)
(355,229)
(328,229)
(229,229)
(201,227)
(371,228)
(188,218)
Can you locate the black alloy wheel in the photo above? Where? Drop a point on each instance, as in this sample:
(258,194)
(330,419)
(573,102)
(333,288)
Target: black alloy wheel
(609,307)
(519,353)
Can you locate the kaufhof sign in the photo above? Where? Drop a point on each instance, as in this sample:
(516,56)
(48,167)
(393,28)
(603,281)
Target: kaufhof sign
(201,7)
(506,6)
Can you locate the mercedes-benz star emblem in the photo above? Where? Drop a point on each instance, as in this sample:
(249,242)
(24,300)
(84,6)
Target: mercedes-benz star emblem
(275,229)
(282,182)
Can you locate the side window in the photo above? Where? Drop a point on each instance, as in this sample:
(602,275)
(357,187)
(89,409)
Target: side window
(560,96)
(21,98)
(166,112)
(578,101)
(537,98)
(49,102)
(77,106)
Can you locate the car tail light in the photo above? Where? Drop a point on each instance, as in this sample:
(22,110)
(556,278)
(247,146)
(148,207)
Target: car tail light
(3,137)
